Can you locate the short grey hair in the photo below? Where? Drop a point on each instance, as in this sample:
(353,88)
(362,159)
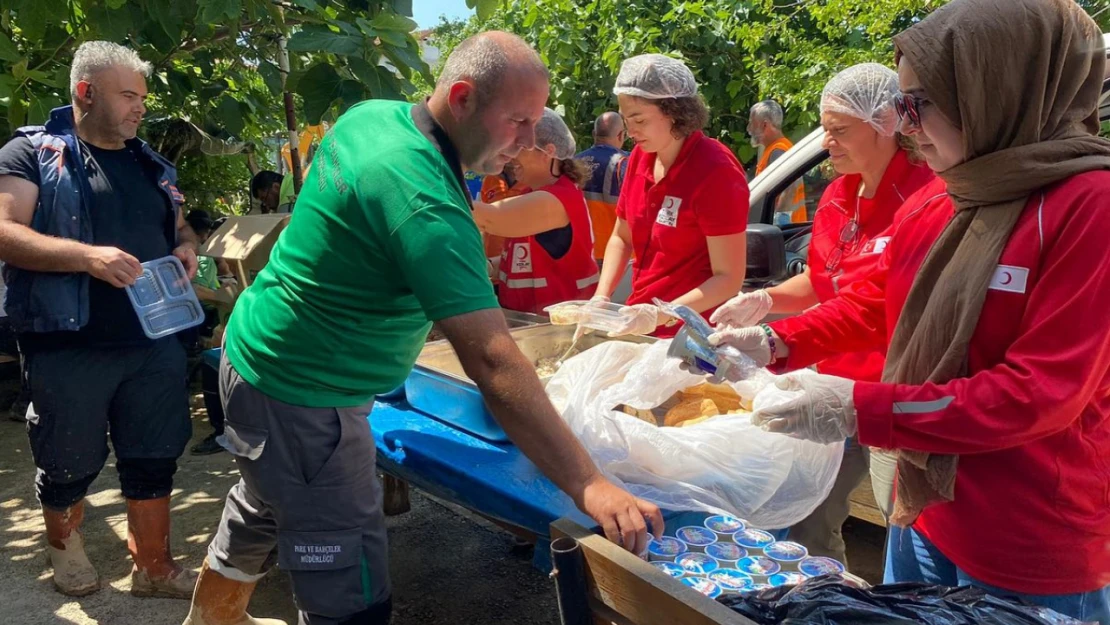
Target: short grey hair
(768,111)
(484,60)
(94,56)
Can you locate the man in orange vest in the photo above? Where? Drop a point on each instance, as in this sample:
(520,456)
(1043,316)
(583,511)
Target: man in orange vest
(607,162)
(765,129)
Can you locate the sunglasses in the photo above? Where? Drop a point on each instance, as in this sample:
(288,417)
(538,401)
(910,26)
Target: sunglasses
(908,107)
(848,236)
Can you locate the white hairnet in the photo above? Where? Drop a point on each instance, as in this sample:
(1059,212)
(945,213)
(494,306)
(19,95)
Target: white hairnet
(866,92)
(654,77)
(552,130)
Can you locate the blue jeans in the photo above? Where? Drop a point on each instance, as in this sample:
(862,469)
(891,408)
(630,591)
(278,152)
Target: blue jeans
(912,558)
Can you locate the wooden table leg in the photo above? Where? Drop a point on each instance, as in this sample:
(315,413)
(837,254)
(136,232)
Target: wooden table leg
(396,496)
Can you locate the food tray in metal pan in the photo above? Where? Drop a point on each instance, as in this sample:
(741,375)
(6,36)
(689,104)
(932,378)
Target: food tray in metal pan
(439,388)
(513,318)
(164,299)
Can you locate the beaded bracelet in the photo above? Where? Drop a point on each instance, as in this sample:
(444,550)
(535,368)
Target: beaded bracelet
(770,340)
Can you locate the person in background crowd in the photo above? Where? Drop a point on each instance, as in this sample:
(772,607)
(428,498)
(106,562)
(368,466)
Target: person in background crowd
(379,249)
(495,188)
(112,204)
(606,163)
(851,229)
(548,252)
(992,296)
(765,130)
(266,188)
(683,209)
(287,195)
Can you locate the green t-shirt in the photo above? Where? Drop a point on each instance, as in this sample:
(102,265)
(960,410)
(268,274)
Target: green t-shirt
(381,244)
(207,273)
(285,194)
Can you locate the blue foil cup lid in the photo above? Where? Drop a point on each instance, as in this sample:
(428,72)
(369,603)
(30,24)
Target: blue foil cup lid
(815,566)
(696,536)
(703,585)
(753,539)
(731,579)
(729,552)
(670,568)
(758,565)
(786,551)
(724,524)
(789,578)
(697,563)
(758,587)
(667,547)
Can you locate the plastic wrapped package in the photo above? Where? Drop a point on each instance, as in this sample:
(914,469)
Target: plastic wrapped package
(723,465)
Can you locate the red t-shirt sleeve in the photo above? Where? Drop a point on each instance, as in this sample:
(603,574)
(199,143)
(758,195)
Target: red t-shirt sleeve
(722,202)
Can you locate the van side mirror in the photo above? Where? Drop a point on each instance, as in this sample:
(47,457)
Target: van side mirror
(766,254)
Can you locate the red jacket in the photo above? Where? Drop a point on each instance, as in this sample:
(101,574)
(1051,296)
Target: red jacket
(705,194)
(531,279)
(1030,422)
(841,203)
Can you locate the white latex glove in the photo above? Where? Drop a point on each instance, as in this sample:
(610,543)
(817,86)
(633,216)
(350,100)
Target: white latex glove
(746,309)
(638,319)
(751,341)
(822,411)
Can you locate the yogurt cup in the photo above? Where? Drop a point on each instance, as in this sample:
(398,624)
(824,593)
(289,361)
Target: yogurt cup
(753,538)
(758,587)
(731,580)
(725,526)
(814,566)
(665,549)
(670,568)
(786,551)
(695,536)
(787,578)
(761,566)
(702,585)
(726,552)
(695,563)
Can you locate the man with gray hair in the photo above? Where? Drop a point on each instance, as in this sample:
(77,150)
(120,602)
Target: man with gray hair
(82,203)
(765,130)
(606,161)
(380,248)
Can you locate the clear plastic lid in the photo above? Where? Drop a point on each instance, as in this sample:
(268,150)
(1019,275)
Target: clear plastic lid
(603,316)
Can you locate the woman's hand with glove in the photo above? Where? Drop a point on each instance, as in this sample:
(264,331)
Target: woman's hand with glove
(744,310)
(753,342)
(822,409)
(639,319)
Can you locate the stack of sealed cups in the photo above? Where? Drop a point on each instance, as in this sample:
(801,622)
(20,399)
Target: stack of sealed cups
(725,556)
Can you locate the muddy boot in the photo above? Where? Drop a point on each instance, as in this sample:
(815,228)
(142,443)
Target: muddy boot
(148,539)
(74,575)
(222,601)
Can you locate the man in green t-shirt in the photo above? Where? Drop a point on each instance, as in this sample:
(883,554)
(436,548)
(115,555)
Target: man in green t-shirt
(382,244)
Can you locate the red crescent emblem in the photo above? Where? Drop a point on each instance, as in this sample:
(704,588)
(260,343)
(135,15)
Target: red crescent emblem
(1007,278)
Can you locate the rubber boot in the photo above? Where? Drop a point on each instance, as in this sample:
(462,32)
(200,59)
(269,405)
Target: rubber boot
(222,601)
(148,539)
(74,575)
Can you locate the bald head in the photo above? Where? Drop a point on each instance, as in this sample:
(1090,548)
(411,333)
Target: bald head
(609,129)
(490,61)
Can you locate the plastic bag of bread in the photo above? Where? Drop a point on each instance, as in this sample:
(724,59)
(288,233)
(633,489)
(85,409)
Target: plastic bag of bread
(619,399)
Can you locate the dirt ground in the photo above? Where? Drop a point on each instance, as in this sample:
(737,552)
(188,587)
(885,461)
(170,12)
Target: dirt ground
(448,567)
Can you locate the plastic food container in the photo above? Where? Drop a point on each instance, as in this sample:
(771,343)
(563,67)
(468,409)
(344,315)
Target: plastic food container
(758,565)
(815,566)
(731,579)
(786,551)
(603,316)
(787,578)
(164,299)
(702,585)
(726,552)
(670,568)
(665,549)
(753,539)
(697,563)
(695,536)
(724,525)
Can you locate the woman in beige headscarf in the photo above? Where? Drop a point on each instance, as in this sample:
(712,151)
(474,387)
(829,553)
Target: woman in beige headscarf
(992,296)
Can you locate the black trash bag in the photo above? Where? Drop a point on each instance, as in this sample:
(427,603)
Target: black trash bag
(830,600)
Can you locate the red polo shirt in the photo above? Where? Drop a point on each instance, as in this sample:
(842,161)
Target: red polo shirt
(704,194)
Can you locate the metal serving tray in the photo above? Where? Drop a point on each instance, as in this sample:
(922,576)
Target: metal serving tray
(439,388)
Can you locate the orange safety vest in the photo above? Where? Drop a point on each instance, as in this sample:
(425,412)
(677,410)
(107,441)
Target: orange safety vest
(798,200)
(494,188)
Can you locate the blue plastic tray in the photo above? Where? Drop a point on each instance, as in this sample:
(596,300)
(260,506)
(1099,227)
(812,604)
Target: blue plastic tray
(164,299)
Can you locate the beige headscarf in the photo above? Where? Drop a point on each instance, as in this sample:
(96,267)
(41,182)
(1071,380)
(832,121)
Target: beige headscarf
(1021,78)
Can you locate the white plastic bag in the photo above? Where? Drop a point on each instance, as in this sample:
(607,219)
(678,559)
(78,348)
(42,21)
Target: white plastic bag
(723,465)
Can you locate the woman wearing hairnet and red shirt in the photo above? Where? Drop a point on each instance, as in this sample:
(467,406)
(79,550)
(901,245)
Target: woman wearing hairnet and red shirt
(683,209)
(991,299)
